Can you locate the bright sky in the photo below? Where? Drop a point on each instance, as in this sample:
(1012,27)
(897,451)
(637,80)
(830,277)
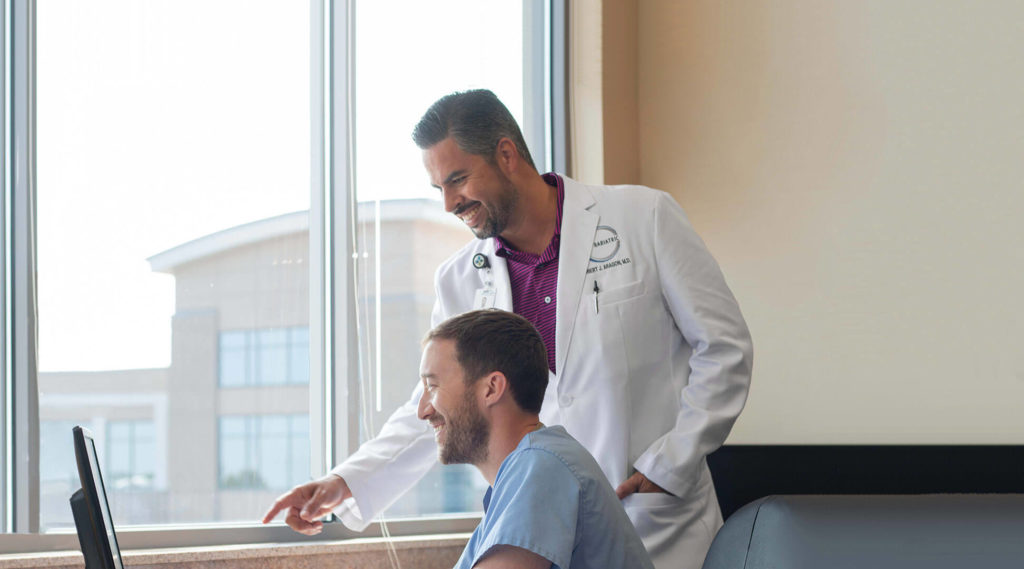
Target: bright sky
(163,121)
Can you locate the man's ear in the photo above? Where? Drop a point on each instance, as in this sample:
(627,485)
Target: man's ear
(507,156)
(495,388)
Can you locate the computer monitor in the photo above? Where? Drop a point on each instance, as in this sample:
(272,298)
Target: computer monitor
(91,510)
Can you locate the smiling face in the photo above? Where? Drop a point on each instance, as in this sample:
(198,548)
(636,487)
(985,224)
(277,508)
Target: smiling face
(461,431)
(473,189)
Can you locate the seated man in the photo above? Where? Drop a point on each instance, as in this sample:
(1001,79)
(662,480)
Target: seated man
(549,505)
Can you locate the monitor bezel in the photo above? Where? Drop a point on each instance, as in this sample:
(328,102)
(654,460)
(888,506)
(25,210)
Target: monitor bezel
(94,493)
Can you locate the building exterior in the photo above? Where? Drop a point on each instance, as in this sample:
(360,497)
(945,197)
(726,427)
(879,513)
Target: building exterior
(225,429)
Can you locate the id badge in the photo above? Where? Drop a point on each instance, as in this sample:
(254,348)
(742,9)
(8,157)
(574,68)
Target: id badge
(484,298)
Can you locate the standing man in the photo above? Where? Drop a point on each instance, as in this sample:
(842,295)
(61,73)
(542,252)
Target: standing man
(648,354)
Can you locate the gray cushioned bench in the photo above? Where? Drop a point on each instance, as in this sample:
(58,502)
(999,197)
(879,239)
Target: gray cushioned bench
(929,531)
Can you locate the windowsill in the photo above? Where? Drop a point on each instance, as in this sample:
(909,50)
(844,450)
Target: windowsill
(418,552)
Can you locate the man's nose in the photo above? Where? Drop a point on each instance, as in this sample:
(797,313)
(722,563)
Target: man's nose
(425,409)
(452,199)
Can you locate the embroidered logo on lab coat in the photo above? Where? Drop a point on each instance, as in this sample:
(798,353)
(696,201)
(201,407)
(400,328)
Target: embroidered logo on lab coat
(606,244)
(606,248)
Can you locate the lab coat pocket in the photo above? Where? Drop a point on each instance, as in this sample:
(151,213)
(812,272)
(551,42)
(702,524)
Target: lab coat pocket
(620,293)
(675,531)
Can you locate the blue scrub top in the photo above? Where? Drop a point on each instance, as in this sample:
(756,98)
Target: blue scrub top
(551,498)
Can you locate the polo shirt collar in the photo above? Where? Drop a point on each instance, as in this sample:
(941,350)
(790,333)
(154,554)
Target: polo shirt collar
(503,249)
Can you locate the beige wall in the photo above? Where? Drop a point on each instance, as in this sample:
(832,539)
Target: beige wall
(619,90)
(858,170)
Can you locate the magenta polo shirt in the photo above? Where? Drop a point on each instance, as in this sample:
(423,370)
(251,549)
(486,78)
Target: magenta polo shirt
(534,278)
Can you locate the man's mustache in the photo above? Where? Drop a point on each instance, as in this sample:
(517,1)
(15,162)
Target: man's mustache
(463,207)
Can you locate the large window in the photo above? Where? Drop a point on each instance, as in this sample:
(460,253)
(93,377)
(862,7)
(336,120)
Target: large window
(404,232)
(173,160)
(223,263)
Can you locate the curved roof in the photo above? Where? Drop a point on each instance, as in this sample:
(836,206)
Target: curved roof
(290,223)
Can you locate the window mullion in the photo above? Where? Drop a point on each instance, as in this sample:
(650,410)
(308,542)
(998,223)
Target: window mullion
(341,189)
(558,86)
(23,451)
(319,328)
(6,444)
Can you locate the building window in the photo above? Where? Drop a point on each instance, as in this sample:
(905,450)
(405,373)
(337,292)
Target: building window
(130,461)
(263,452)
(276,356)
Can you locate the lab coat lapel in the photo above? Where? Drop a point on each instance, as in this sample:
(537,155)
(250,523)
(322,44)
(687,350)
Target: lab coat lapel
(578,228)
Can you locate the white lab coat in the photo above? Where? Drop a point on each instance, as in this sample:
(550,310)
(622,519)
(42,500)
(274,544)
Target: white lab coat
(649,378)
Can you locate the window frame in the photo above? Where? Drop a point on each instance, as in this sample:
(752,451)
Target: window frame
(6,445)
(333,345)
(19,499)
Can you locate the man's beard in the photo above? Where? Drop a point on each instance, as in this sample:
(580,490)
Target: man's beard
(466,435)
(499,212)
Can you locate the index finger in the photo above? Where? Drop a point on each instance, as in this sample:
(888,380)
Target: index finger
(280,504)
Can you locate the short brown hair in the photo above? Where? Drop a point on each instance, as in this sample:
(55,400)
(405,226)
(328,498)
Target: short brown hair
(496,340)
(476,119)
